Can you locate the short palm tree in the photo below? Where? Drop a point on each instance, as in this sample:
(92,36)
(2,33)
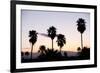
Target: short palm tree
(27,53)
(52,33)
(79,50)
(52,54)
(22,53)
(61,40)
(42,49)
(81,28)
(33,39)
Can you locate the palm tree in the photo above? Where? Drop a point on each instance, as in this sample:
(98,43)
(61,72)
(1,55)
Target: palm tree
(52,33)
(81,28)
(79,50)
(85,53)
(42,49)
(51,54)
(22,53)
(61,40)
(33,39)
(27,53)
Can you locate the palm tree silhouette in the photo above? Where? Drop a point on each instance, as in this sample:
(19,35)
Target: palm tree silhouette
(27,53)
(85,53)
(61,40)
(52,54)
(78,49)
(42,49)
(22,53)
(81,28)
(33,39)
(52,33)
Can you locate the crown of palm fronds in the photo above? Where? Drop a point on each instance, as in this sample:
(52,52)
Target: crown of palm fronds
(52,32)
(61,40)
(33,36)
(81,25)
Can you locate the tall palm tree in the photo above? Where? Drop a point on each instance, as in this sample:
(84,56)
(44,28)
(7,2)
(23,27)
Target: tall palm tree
(61,40)
(33,39)
(81,28)
(52,33)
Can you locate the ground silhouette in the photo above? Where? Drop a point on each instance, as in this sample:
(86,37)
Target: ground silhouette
(55,55)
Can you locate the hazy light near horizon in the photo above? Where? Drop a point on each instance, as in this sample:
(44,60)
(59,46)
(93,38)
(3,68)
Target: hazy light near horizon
(65,23)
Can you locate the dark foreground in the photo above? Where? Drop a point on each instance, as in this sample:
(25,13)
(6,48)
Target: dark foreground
(54,55)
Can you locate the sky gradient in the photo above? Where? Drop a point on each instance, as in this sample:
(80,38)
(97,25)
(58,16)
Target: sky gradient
(65,23)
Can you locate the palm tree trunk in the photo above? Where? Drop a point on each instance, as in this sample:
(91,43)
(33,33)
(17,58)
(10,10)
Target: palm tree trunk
(60,50)
(31,51)
(52,43)
(81,41)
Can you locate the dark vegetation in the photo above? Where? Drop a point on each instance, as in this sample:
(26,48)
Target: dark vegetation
(50,54)
(55,55)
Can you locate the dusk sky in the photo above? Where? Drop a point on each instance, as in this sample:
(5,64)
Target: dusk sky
(65,23)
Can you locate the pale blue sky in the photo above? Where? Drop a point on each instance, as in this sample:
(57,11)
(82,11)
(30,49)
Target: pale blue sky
(65,22)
